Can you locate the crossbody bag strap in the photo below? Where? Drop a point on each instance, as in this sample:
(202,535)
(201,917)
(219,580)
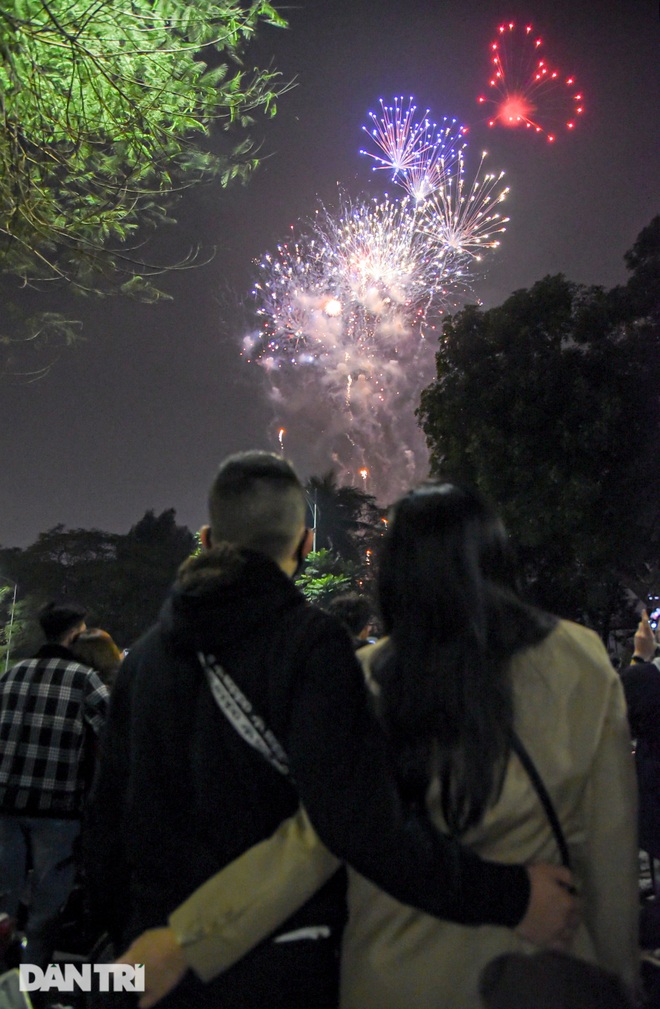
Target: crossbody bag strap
(241,715)
(542,792)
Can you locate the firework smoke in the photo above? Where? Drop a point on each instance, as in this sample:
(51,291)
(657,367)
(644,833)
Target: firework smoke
(348,311)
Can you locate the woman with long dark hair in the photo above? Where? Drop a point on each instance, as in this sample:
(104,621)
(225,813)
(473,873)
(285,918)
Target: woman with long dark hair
(453,622)
(469,683)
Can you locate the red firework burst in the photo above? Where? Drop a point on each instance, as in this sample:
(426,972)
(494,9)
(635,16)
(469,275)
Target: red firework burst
(525,89)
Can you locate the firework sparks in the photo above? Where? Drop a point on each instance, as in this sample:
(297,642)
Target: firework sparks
(346,308)
(430,172)
(401,140)
(462,218)
(289,288)
(418,154)
(364,279)
(525,89)
(373,254)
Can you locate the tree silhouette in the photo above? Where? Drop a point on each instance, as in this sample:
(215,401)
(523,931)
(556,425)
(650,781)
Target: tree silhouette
(549,404)
(346,518)
(121,579)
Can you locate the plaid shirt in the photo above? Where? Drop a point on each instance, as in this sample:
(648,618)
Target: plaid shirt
(47,706)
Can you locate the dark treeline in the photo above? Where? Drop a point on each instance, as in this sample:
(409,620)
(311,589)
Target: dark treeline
(549,405)
(121,579)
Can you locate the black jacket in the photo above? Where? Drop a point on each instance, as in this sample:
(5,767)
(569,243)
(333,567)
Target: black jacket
(180,793)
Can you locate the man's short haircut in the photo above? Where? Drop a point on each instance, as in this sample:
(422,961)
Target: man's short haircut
(57,619)
(257,501)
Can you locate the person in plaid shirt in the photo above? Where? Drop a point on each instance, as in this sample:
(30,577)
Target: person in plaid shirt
(49,705)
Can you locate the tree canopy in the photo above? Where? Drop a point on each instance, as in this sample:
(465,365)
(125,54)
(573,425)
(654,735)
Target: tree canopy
(346,519)
(549,404)
(104,109)
(326,575)
(14,621)
(121,579)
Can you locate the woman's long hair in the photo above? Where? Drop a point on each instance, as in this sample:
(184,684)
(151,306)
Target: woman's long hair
(448,602)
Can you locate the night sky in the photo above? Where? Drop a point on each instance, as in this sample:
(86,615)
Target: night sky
(139,414)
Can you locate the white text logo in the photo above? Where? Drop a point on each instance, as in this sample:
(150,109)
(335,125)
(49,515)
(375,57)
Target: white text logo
(72,977)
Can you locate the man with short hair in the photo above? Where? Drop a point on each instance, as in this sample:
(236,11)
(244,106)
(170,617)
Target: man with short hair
(240,702)
(48,706)
(61,624)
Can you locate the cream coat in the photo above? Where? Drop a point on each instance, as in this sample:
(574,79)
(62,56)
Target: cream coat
(570,714)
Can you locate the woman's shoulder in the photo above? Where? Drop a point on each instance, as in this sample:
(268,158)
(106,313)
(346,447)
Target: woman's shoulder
(579,642)
(565,692)
(570,657)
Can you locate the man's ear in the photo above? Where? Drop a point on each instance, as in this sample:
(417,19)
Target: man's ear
(205,537)
(72,634)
